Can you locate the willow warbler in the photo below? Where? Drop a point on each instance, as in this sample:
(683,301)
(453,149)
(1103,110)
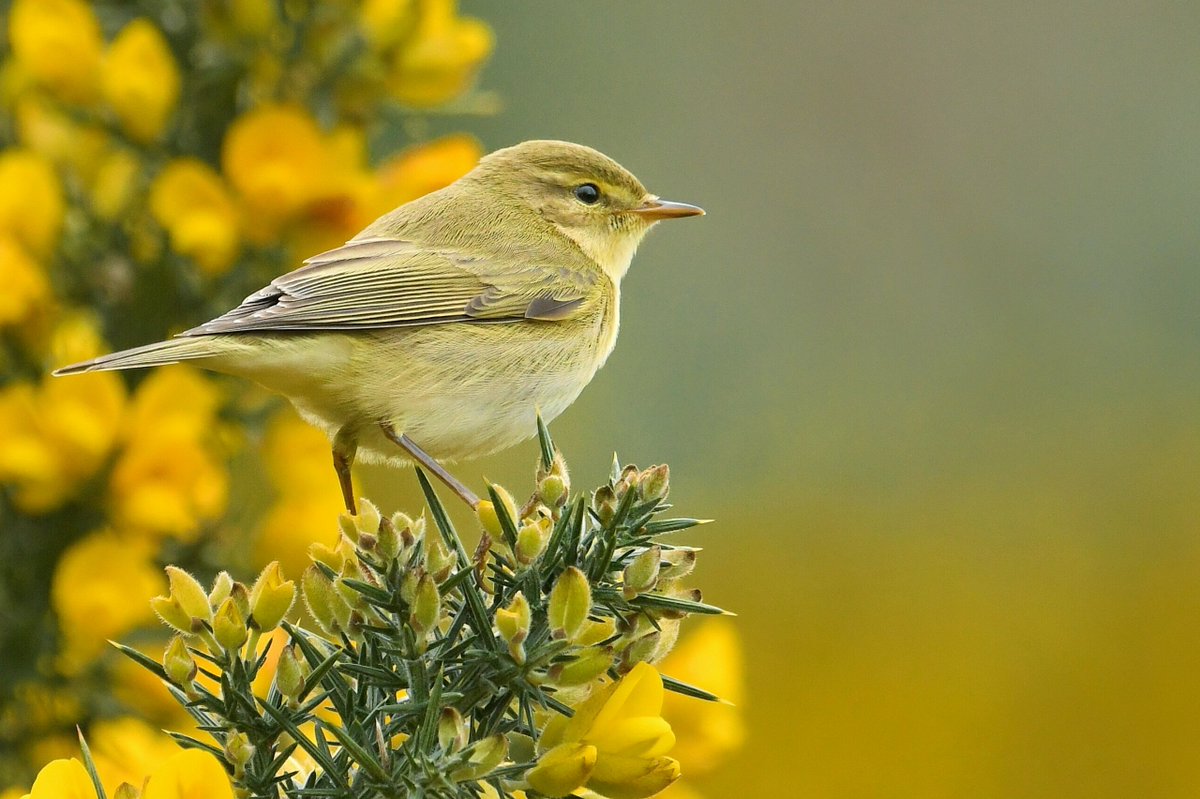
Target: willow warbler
(439,331)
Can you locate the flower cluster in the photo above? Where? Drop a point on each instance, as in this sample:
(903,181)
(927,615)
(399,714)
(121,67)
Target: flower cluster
(525,667)
(158,162)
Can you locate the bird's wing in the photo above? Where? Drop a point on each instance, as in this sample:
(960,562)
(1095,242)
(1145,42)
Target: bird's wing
(379,283)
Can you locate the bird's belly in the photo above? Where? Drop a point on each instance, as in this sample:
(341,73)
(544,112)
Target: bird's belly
(464,391)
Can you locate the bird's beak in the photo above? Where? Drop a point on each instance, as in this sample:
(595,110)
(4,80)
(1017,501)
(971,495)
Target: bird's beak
(655,209)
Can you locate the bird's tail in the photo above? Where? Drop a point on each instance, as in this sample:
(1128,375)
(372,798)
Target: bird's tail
(164,352)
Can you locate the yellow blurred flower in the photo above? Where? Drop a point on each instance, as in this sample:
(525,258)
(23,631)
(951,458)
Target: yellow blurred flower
(296,456)
(347,201)
(126,749)
(101,589)
(58,43)
(710,658)
(189,199)
(62,779)
(418,170)
(187,774)
(622,722)
(31,200)
(26,289)
(276,159)
(190,774)
(141,80)
(71,145)
(166,480)
(167,486)
(441,59)
(56,435)
(384,22)
(175,401)
(117,177)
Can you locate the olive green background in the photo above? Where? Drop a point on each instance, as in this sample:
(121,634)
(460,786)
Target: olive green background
(932,360)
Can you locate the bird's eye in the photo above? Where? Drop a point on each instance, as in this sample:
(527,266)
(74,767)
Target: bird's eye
(588,193)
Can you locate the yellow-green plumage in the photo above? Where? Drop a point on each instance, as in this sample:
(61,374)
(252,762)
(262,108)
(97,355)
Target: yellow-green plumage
(453,319)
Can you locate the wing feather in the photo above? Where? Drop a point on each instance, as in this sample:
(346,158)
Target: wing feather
(380,283)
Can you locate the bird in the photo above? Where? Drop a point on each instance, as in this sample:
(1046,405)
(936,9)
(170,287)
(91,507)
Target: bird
(439,332)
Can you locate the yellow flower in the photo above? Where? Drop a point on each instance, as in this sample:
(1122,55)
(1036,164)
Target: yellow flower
(345,203)
(58,43)
(296,457)
(31,200)
(140,80)
(167,486)
(118,175)
(622,721)
(62,779)
(709,658)
(56,435)
(126,749)
(384,22)
(441,59)
(101,589)
(189,199)
(43,127)
(174,402)
(275,157)
(427,167)
(26,290)
(187,774)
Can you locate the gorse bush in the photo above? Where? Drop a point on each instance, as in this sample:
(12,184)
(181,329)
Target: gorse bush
(523,666)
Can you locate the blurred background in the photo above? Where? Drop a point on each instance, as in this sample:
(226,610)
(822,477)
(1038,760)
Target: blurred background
(931,362)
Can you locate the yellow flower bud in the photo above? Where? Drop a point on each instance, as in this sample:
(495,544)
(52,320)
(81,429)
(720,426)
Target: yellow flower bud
(655,483)
(642,573)
(172,614)
(570,603)
(178,663)
(368,518)
(564,769)
(426,606)
(140,80)
(222,586)
(387,543)
(238,751)
(453,732)
(439,559)
(531,540)
(640,650)
(229,626)
(604,501)
(488,516)
(554,486)
(410,530)
(271,598)
(324,602)
(485,756)
(291,673)
(596,631)
(589,664)
(513,621)
(678,563)
(191,595)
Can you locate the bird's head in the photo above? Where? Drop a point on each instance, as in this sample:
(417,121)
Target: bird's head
(589,197)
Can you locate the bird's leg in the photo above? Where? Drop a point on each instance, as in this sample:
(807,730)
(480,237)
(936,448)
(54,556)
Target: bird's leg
(425,459)
(344,448)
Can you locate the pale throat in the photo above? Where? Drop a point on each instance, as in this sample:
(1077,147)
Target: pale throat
(612,252)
